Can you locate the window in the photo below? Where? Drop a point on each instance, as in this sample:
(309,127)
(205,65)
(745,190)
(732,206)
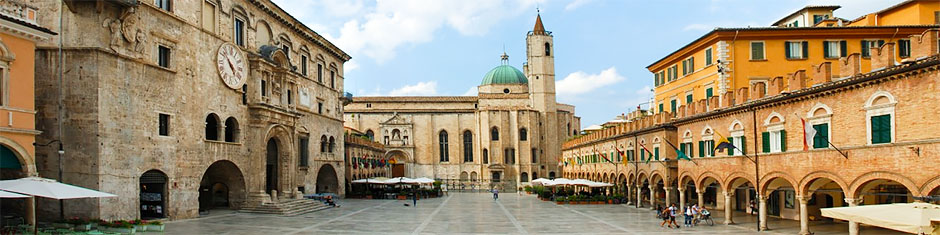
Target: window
(231,130)
(660,108)
(688,66)
(163,56)
(212,127)
(821,139)
(818,18)
(662,77)
(656,79)
(302,145)
(630,155)
(208,16)
(442,141)
(332,144)
(524,176)
(534,156)
(774,141)
(370,134)
(867,45)
(686,148)
(162,4)
(740,144)
(332,78)
(245,94)
(656,153)
(523,134)
(881,129)
(286,49)
(757,50)
(675,73)
(509,156)
(303,65)
(709,93)
(320,73)
(486,157)
(467,146)
(796,50)
(708,57)
(672,107)
(688,99)
(320,107)
(834,49)
(164,124)
(904,48)
(239,32)
(264,88)
(494,134)
(323,144)
(548,49)
(290,97)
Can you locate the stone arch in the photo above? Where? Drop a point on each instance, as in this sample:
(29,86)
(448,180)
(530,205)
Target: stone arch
(153,194)
(231,129)
(263,33)
(213,124)
(226,173)
(281,138)
(877,97)
(656,173)
(687,133)
(707,130)
(27,163)
(806,184)
(930,186)
(735,125)
(736,179)
(813,112)
(860,181)
(327,180)
(685,177)
(703,180)
(771,181)
(464,176)
(5,54)
(770,118)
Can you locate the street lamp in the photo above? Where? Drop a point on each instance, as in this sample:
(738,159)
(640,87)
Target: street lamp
(61,152)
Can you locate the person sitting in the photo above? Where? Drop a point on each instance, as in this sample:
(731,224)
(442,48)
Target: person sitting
(329,201)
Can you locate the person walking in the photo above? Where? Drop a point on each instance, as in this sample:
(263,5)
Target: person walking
(695,214)
(495,194)
(664,214)
(673,212)
(688,216)
(414,198)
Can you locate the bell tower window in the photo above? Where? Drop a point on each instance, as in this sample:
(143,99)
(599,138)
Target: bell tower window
(548,49)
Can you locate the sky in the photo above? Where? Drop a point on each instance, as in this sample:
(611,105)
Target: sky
(602,47)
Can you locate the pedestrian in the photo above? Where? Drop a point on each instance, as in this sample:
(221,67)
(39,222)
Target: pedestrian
(495,194)
(753,206)
(664,214)
(673,212)
(688,216)
(444,189)
(414,198)
(695,214)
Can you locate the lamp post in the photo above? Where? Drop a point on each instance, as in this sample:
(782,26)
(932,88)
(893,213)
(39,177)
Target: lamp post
(61,152)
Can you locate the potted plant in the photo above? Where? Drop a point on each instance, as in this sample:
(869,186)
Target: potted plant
(598,199)
(402,195)
(119,226)
(61,224)
(155,226)
(139,225)
(560,200)
(79,224)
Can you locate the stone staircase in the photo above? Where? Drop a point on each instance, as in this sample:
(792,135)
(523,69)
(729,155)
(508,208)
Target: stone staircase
(289,207)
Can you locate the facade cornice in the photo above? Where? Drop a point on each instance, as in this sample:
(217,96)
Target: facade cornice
(301,29)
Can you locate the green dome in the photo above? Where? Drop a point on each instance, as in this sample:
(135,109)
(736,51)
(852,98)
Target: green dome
(504,74)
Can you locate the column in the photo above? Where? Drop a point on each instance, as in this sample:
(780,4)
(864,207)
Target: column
(639,198)
(804,214)
(626,192)
(652,197)
(762,211)
(682,199)
(728,197)
(853,226)
(668,199)
(701,198)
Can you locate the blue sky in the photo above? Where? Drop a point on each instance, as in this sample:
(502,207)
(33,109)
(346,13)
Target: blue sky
(444,47)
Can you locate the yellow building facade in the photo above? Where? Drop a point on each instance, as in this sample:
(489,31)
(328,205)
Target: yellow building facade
(910,12)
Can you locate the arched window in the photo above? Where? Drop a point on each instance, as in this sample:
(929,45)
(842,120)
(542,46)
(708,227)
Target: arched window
(467,146)
(494,134)
(535,158)
(551,175)
(820,118)
(880,118)
(486,157)
(523,134)
(231,130)
(396,134)
(569,129)
(535,175)
(332,144)
(548,49)
(524,177)
(442,141)
(212,127)
(323,144)
(371,135)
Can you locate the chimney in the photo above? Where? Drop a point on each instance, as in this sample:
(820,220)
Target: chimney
(822,73)
(925,44)
(740,96)
(727,100)
(775,86)
(850,65)
(797,80)
(758,90)
(882,57)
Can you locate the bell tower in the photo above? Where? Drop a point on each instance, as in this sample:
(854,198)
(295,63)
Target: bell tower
(540,67)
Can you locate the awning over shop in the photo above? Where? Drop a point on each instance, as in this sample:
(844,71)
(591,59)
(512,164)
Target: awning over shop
(917,218)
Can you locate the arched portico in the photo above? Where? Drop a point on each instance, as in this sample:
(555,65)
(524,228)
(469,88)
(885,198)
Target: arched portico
(222,185)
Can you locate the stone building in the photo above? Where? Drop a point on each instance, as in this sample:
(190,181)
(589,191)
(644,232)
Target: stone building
(875,143)
(510,132)
(180,107)
(364,157)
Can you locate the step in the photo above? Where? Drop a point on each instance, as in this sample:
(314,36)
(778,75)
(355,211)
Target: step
(290,207)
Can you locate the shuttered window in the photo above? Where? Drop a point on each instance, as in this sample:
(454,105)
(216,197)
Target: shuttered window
(688,99)
(821,140)
(904,48)
(656,153)
(701,149)
(834,49)
(796,50)
(757,50)
(708,93)
(881,129)
(708,57)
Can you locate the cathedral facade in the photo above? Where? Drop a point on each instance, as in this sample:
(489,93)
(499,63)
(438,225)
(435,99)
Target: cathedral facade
(508,134)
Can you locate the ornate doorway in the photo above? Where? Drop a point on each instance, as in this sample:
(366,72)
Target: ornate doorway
(271,161)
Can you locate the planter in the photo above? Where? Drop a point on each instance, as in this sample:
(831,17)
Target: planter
(402,197)
(82,227)
(559,203)
(140,227)
(610,201)
(121,230)
(155,227)
(368,196)
(597,202)
(583,202)
(528,192)
(61,225)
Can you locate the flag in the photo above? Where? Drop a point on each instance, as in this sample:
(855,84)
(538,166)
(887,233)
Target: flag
(809,133)
(679,153)
(623,156)
(723,143)
(604,155)
(647,151)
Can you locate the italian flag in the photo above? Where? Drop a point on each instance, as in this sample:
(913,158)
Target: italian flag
(808,134)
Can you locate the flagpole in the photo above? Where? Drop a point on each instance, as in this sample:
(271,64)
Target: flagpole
(756,163)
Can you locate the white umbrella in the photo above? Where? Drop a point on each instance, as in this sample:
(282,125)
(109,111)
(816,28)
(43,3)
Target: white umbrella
(423,180)
(5,194)
(42,187)
(540,181)
(906,217)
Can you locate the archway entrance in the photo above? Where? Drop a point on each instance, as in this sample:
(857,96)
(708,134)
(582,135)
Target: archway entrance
(10,165)
(153,195)
(326,180)
(270,172)
(397,159)
(222,186)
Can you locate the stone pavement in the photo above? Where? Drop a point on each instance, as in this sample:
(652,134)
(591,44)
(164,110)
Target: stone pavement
(468,213)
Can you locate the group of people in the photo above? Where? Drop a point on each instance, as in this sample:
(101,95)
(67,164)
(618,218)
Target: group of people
(692,214)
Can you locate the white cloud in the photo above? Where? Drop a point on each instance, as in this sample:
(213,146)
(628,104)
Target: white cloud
(420,89)
(581,82)
(576,4)
(698,27)
(471,92)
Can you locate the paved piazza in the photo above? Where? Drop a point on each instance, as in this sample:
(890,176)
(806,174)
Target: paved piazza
(475,213)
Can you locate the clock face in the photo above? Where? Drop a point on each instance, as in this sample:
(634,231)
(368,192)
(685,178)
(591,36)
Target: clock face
(231,63)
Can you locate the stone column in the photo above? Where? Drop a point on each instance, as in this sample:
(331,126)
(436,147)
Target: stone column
(762,211)
(682,199)
(728,197)
(639,198)
(701,198)
(652,197)
(853,226)
(668,199)
(804,214)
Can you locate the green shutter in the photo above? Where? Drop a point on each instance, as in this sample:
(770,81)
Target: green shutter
(701,149)
(843,48)
(805,50)
(660,108)
(711,147)
(642,155)
(881,129)
(730,150)
(826,49)
(821,140)
(743,144)
(656,153)
(765,141)
(682,148)
(688,99)
(866,48)
(691,64)
(685,67)
(786,49)
(708,93)
(708,57)
(673,108)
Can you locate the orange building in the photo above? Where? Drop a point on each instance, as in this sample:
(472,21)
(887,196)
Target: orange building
(910,12)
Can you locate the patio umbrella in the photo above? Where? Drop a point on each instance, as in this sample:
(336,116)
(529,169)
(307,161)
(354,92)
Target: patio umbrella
(540,181)
(5,194)
(47,188)
(906,217)
(423,180)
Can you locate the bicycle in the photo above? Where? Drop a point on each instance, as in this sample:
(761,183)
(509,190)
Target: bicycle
(707,219)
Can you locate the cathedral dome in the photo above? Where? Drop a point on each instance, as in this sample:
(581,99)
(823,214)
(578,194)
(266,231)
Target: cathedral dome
(504,74)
